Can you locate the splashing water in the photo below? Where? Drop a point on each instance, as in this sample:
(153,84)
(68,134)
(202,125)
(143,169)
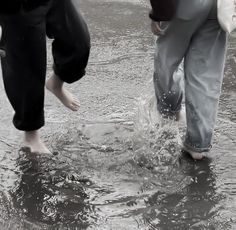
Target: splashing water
(154,135)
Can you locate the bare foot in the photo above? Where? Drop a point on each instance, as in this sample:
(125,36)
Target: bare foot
(195,155)
(33,141)
(55,86)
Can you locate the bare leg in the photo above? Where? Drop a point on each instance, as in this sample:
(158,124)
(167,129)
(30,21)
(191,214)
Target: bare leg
(34,142)
(55,85)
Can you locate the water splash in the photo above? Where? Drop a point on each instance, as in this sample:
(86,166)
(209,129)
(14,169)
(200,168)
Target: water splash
(155,137)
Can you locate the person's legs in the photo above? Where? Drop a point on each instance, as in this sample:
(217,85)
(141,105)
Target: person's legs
(24,68)
(204,65)
(70,48)
(171,48)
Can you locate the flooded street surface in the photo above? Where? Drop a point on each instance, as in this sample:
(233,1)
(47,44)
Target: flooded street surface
(114,166)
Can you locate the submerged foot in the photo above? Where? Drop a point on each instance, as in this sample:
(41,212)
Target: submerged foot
(195,155)
(33,141)
(55,86)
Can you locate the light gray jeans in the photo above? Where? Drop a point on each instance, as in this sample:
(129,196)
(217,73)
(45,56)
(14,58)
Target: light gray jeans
(198,40)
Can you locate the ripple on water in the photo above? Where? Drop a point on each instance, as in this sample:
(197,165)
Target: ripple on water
(119,174)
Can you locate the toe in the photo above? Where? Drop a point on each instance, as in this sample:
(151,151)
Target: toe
(74,108)
(75,104)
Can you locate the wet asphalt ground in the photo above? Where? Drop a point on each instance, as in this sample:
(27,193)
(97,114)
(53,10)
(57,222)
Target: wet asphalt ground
(114,167)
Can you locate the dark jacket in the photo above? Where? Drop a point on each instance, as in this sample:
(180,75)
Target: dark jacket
(14,6)
(9,6)
(163,10)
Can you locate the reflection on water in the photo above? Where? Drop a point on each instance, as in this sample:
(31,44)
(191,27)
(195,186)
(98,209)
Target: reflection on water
(121,173)
(49,192)
(194,207)
(118,175)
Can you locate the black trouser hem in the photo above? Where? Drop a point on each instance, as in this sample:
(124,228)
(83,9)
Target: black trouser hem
(30,126)
(69,76)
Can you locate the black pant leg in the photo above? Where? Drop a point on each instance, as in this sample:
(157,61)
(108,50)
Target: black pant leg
(71,44)
(24,66)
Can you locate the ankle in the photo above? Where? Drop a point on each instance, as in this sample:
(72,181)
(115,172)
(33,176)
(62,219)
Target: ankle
(33,141)
(55,82)
(31,135)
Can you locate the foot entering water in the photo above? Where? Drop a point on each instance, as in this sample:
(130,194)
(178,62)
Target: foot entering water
(34,142)
(55,86)
(195,155)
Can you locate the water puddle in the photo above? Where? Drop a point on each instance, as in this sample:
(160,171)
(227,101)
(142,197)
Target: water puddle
(115,174)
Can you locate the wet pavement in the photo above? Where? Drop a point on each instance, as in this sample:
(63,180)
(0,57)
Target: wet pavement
(114,166)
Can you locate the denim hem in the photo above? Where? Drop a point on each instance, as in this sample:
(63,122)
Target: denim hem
(199,150)
(168,115)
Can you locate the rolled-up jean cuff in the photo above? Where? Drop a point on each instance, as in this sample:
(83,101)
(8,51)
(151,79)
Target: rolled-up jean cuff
(199,150)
